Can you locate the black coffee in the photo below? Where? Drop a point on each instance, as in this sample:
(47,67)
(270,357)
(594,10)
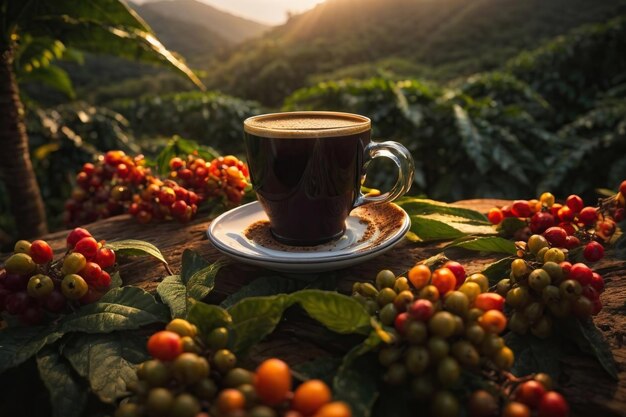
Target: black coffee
(306,169)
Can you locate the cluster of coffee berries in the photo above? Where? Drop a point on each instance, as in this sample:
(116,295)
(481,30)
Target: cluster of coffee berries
(543,285)
(164,200)
(195,375)
(529,397)
(225,177)
(118,183)
(439,323)
(106,187)
(31,282)
(568,225)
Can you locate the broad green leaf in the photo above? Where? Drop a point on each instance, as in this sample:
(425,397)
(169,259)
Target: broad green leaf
(426,229)
(534,355)
(51,76)
(110,12)
(255,318)
(467,226)
(590,340)
(337,312)
(107,361)
(97,37)
(164,157)
(68,395)
(418,206)
(356,384)
(132,247)
(487,244)
(265,286)
(498,270)
(174,293)
(191,263)
(207,317)
(123,308)
(201,283)
(17,344)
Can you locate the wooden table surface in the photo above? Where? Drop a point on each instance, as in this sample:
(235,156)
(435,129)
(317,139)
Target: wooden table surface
(590,391)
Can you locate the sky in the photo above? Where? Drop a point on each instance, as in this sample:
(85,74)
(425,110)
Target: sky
(267,11)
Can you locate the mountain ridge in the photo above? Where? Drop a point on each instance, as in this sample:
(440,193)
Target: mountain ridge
(229,26)
(441,39)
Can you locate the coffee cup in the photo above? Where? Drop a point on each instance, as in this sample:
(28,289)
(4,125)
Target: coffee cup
(307,169)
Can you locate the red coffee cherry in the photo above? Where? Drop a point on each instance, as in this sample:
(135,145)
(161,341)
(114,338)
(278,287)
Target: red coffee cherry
(575,203)
(165,345)
(76,235)
(87,246)
(41,252)
(593,252)
(553,405)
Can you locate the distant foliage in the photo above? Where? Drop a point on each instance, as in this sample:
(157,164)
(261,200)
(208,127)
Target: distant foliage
(591,152)
(211,119)
(445,38)
(463,146)
(572,70)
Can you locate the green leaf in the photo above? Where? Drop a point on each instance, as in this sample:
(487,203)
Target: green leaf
(437,226)
(255,318)
(536,355)
(196,281)
(131,247)
(590,340)
(201,283)
(265,286)
(123,308)
(337,312)
(174,293)
(192,262)
(107,361)
(498,270)
(111,12)
(355,383)
(426,230)
(68,396)
(97,37)
(418,206)
(207,317)
(487,244)
(164,157)
(17,344)
(51,76)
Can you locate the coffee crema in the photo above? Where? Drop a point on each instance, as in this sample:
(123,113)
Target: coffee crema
(306,124)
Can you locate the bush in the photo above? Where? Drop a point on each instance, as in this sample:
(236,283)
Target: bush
(211,119)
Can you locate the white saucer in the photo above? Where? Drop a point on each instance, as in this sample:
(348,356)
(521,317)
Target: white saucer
(370,231)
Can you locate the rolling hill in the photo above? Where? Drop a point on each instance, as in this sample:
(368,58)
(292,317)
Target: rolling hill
(233,29)
(440,39)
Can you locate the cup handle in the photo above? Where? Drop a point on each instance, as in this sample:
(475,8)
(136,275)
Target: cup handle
(406,169)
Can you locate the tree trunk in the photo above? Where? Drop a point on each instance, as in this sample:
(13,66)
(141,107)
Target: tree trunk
(16,169)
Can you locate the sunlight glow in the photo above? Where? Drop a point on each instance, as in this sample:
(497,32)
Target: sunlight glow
(272,12)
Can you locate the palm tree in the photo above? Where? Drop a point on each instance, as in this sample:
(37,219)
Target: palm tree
(99,26)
